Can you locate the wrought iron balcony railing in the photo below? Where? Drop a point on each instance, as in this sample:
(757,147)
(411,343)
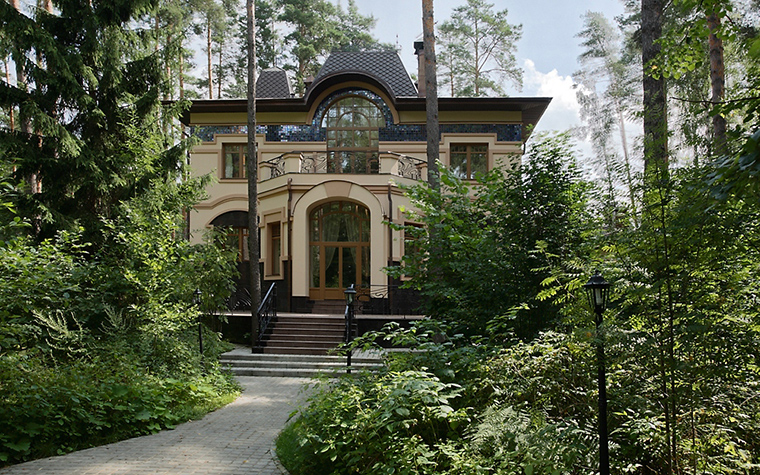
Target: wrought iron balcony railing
(386,162)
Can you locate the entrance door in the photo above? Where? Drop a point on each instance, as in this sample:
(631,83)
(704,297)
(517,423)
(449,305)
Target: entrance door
(339,249)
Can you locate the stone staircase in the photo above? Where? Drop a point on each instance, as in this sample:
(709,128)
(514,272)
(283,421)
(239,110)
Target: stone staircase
(329,307)
(302,334)
(244,363)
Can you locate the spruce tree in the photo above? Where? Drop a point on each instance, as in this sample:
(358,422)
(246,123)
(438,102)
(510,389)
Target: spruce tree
(92,97)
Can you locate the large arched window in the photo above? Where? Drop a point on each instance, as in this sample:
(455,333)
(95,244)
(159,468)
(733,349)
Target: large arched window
(352,128)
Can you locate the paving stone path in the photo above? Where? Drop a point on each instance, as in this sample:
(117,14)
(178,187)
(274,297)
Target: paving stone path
(234,440)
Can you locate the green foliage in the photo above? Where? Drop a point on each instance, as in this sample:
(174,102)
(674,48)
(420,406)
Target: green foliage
(92,355)
(475,257)
(97,324)
(409,420)
(92,122)
(54,410)
(100,345)
(680,333)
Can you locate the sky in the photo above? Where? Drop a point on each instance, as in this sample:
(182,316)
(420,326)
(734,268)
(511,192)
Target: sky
(547,52)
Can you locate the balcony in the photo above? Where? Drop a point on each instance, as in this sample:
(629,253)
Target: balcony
(311,162)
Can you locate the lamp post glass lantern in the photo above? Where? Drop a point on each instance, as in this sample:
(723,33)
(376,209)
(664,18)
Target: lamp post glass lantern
(598,290)
(197,301)
(350,294)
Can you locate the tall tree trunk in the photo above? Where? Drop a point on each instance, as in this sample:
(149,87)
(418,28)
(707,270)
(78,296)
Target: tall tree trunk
(157,26)
(655,111)
(431,94)
(220,75)
(656,199)
(252,171)
(11,109)
(181,71)
(208,56)
(718,82)
(25,121)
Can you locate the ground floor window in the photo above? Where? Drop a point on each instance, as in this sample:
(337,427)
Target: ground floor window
(237,238)
(275,248)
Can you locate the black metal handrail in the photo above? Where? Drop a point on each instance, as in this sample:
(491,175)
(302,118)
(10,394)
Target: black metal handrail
(387,300)
(349,335)
(267,310)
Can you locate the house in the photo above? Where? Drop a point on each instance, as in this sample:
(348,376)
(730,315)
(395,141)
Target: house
(331,166)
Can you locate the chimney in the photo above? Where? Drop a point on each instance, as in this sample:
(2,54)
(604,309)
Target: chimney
(419,50)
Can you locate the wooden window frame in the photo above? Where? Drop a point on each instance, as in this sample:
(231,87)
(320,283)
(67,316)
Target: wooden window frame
(468,152)
(241,236)
(275,249)
(242,153)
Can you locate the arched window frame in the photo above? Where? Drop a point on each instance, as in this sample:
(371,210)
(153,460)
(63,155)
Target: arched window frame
(346,149)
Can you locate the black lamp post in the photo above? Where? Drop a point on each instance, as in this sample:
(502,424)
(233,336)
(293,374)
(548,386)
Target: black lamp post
(598,289)
(350,294)
(197,302)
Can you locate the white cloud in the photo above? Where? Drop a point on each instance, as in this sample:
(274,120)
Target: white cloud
(564,110)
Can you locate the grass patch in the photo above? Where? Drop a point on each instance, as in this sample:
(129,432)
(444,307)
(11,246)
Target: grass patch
(288,447)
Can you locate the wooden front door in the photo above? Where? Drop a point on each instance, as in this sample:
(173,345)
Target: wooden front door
(339,249)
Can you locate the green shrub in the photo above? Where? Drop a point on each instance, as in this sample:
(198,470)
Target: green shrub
(51,410)
(368,424)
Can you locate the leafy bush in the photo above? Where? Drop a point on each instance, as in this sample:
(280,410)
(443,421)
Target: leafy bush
(449,405)
(384,425)
(99,343)
(51,410)
(475,255)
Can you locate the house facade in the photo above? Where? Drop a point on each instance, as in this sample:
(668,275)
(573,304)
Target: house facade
(331,166)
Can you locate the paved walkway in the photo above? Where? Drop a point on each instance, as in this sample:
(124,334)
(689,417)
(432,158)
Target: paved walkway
(234,440)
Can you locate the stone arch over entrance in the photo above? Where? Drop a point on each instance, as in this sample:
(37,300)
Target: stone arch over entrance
(305,205)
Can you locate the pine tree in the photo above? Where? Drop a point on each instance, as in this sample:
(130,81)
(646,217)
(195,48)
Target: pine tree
(485,43)
(252,174)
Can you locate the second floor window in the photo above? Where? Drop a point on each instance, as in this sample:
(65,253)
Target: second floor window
(235,158)
(469,160)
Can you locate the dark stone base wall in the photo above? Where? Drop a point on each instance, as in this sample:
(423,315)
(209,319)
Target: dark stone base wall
(300,305)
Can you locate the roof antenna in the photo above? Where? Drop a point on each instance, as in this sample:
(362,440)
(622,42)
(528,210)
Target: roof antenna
(398,46)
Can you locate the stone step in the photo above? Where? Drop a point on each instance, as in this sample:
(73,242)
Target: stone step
(244,355)
(244,363)
(323,318)
(305,332)
(325,344)
(290,372)
(336,337)
(327,366)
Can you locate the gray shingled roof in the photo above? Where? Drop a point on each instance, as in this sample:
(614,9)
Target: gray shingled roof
(273,83)
(383,65)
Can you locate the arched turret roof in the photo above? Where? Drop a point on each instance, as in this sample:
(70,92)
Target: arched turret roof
(385,67)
